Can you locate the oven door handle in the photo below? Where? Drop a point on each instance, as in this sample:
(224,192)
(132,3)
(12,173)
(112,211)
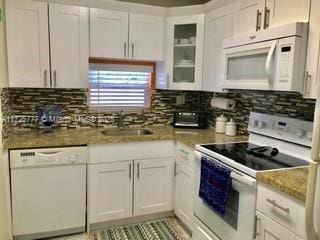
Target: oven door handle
(244,179)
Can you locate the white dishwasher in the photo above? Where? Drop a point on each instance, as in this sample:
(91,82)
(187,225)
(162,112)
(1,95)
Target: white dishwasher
(48,188)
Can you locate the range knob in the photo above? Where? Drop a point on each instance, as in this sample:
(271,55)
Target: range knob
(309,136)
(300,133)
(254,123)
(261,124)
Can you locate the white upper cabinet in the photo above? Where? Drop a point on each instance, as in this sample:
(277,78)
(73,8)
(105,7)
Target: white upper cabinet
(219,25)
(185,39)
(248,15)
(153,186)
(108,33)
(280,12)
(28,25)
(146,34)
(313,52)
(124,35)
(28,43)
(257,15)
(69,40)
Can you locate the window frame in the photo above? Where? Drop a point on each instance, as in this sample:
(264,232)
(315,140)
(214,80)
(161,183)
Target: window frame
(104,109)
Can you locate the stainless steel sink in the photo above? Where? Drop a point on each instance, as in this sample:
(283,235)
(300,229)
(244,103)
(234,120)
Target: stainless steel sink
(127,132)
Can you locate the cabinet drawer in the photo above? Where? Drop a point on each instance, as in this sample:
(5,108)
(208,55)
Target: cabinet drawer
(185,154)
(130,151)
(267,229)
(281,208)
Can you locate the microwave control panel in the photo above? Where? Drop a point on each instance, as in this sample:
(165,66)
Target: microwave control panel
(285,63)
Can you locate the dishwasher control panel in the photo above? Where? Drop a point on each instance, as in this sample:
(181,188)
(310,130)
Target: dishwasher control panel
(47,156)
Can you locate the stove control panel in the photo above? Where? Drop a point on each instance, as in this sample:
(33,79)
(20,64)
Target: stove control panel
(283,128)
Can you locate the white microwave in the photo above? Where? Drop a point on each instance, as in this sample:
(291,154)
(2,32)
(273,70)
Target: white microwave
(272,60)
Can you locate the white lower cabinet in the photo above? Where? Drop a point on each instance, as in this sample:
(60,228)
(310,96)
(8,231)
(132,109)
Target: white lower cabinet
(279,216)
(153,186)
(184,193)
(268,229)
(110,187)
(127,188)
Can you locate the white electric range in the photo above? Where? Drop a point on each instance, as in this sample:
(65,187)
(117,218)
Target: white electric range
(274,143)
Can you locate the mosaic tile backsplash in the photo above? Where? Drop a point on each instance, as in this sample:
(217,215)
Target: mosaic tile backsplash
(19,104)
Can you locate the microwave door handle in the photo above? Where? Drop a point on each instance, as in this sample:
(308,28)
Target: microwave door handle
(269,61)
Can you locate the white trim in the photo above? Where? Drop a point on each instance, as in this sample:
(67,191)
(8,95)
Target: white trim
(145,9)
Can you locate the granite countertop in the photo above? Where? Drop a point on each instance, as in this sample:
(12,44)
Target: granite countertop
(293,182)
(72,137)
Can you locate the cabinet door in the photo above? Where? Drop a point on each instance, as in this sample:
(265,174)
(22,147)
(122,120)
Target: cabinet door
(146,37)
(108,33)
(249,15)
(313,51)
(267,229)
(276,12)
(28,43)
(184,193)
(110,191)
(153,186)
(69,41)
(185,39)
(219,25)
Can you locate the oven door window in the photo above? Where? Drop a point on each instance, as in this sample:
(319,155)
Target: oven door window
(232,209)
(187,118)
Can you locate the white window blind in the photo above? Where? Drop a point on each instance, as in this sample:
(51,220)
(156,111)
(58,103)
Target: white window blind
(120,86)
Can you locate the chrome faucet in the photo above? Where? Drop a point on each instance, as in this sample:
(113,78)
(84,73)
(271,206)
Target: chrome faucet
(120,120)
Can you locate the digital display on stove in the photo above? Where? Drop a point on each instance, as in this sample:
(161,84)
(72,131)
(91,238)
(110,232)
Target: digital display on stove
(282,124)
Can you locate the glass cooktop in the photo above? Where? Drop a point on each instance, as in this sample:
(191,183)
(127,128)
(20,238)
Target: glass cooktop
(258,158)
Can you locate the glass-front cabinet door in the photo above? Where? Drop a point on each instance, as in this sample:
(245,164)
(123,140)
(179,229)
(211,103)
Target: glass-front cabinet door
(185,52)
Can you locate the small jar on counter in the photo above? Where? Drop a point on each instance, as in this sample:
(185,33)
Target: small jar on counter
(221,123)
(231,128)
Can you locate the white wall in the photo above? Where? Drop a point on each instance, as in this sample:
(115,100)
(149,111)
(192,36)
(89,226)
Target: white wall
(4,172)
(3,53)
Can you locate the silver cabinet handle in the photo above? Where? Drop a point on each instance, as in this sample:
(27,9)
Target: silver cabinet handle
(275,204)
(54,78)
(184,152)
(132,48)
(258,24)
(138,170)
(45,78)
(125,50)
(266,17)
(175,169)
(257,232)
(130,170)
(306,88)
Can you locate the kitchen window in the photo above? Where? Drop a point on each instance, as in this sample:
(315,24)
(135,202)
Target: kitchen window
(119,85)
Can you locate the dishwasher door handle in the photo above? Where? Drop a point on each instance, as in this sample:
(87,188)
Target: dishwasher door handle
(49,153)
